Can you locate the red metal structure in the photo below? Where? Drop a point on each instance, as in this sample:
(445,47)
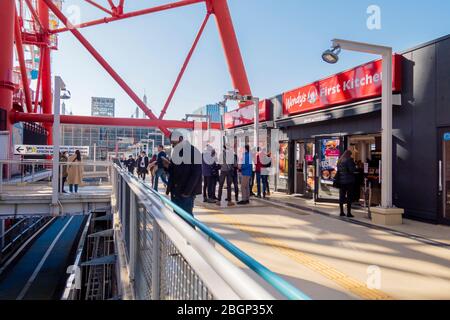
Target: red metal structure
(41,34)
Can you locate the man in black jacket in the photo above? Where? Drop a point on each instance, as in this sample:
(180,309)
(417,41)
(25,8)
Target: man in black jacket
(185,173)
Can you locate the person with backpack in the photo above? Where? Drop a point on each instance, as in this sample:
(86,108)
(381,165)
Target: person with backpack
(265,172)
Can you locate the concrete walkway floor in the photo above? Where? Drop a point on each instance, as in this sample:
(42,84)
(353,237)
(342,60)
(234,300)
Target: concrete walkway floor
(331,258)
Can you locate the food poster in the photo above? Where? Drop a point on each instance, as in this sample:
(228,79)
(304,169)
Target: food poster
(284,160)
(310,167)
(330,153)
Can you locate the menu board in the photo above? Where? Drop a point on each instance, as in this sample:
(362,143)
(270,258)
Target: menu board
(284,160)
(329,157)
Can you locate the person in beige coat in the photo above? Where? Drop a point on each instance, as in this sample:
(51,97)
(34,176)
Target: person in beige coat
(74,172)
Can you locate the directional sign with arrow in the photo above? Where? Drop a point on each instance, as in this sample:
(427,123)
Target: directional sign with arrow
(34,150)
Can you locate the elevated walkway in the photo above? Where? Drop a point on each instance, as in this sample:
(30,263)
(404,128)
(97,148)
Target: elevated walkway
(335,258)
(33,194)
(33,199)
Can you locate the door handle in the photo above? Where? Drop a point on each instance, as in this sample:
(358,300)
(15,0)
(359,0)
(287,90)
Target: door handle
(440,177)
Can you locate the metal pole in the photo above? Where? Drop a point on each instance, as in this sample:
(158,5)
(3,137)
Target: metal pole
(7,9)
(1,177)
(256,123)
(56,144)
(386,132)
(386,112)
(2,233)
(95,157)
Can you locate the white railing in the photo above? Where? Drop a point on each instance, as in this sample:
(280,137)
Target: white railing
(40,172)
(168,259)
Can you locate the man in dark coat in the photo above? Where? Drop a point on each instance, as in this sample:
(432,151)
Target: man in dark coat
(185,173)
(130,164)
(208,162)
(142,165)
(346,176)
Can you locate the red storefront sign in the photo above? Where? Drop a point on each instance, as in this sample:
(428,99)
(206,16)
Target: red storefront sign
(360,83)
(244,116)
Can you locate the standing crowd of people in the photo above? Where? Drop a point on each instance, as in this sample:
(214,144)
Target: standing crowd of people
(204,173)
(227,167)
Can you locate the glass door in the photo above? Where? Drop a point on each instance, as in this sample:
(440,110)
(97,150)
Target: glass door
(300,168)
(328,152)
(444,175)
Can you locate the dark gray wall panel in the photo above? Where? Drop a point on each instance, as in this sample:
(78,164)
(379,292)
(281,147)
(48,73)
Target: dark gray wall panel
(443,82)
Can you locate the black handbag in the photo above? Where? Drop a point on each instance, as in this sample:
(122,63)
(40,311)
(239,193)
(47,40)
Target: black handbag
(337,182)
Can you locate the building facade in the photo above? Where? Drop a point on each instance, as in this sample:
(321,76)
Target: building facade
(317,122)
(105,140)
(103,107)
(216,111)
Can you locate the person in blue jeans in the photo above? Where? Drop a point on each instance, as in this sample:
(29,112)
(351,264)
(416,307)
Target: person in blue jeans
(160,172)
(246,170)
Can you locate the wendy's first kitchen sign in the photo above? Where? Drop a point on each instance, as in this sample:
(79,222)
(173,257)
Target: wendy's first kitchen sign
(363,82)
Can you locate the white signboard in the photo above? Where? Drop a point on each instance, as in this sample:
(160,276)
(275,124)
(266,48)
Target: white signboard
(33,150)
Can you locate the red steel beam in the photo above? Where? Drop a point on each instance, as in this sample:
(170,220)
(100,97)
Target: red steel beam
(38,86)
(23,67)
(185,64)
(230,46)
(95,4)
(130,15)
(46,80)
(105,64)
(34,13)
(106,121)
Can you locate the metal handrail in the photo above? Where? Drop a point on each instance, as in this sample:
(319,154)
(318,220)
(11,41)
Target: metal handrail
(238,281)
(278,283)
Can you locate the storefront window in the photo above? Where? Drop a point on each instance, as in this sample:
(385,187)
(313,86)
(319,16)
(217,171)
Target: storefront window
(284,160)
(329,153)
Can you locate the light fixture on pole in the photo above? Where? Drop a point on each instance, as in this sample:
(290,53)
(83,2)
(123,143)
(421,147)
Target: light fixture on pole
(332,56)
(236,96)
(60,87)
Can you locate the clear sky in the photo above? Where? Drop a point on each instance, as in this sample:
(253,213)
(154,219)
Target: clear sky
(281,43)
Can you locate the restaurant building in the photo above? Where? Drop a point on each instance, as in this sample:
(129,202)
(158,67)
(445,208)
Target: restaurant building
(317,122)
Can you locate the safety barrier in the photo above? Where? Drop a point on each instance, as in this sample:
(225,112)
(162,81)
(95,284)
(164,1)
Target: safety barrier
(167,258)
(39,172)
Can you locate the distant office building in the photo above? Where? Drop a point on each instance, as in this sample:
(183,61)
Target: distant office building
(216,111)
(103,107)
(105,138)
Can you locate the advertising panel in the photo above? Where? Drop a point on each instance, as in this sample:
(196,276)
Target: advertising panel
(244,116)
(362,82)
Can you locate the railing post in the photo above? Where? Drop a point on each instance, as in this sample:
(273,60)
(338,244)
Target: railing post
(2,233)
(156,256)
(133,235)
(1,177)
(32,172)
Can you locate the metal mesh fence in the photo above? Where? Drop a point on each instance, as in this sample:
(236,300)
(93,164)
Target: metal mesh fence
(144,259)
(178,280)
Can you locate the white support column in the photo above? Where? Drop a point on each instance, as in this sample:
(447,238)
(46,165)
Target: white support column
(56,144)
(256,123)
(387,214)
(386,132)
(133,235)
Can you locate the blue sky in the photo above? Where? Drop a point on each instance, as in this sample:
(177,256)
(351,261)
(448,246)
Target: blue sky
(281,43)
